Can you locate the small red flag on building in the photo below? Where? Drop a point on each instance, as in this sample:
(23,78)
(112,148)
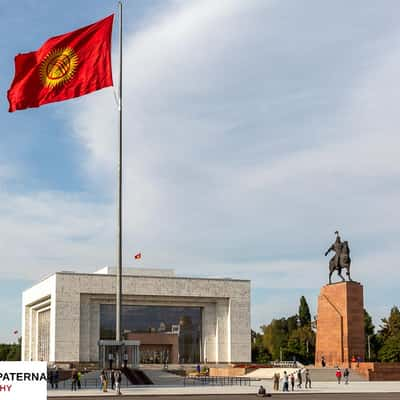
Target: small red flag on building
(66,66)
(138,256)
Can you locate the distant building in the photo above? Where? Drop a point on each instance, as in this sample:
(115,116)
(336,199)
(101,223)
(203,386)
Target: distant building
(70,317)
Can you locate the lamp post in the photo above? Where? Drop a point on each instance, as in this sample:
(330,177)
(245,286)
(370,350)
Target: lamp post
(369,347)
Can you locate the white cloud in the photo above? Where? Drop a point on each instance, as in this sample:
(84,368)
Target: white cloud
(227,172)
(252,131)
(45,232)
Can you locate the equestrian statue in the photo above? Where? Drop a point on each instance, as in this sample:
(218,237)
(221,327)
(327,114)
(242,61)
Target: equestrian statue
(341,259)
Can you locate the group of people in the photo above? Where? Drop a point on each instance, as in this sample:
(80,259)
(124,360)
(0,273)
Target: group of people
(294,379)
(76,377)
(115,381)
(111,358)
(345,375)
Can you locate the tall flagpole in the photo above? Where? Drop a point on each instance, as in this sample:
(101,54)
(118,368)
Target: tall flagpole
(118,307)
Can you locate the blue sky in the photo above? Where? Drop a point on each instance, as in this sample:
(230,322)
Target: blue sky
(253,130)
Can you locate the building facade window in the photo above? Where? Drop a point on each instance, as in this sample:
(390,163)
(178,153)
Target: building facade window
(43,335)
(151,324)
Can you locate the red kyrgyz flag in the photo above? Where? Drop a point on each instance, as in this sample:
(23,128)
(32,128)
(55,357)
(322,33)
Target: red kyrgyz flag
(138,256)
(66,66)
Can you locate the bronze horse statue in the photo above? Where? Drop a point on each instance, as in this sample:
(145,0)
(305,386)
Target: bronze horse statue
(341,260)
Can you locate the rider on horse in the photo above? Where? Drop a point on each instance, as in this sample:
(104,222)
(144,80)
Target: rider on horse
(341,259)
(337,248)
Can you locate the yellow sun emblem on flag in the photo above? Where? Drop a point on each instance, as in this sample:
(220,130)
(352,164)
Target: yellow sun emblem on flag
(58,67)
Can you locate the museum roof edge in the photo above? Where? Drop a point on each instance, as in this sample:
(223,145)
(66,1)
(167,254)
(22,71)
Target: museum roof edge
(153,276)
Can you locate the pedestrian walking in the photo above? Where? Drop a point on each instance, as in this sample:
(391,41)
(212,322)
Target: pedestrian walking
(308,379)
(101,377)
(338,375)
(276,379)
(118,379)
(292,381)
(110,360)
(74,379)
(299,379)
(323,363)
(165,358)
(112,378)
(56,378)
(285,379)
(346,374)
(78,379)
(103,381)
(51,378)
(126,357)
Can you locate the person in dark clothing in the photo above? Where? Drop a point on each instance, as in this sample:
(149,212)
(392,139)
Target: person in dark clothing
(323,363)
(112,377)
(74,379)
(118,383)
(56,377)
(346,374)
(262,392)
(292,381)
(299,379)
(126,357)
(308,378)
(78,379)
(51,378)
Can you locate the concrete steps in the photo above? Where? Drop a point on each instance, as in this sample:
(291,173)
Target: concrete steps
(329,375)
(162,378)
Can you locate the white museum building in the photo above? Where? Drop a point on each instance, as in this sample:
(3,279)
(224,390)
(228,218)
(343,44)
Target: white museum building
(69,317)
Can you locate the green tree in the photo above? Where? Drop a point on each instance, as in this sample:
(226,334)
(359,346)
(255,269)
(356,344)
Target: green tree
(375,344)
(390,351)
(275,337)
(390,326)
(259,354)
(291,337)
(369,328)
(10,352)
(304,312)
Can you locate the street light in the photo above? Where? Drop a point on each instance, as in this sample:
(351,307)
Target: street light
(369,347)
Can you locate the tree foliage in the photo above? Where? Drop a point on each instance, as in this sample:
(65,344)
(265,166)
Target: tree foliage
(10,352)
(390,326)
(304,312)
(259,353)
(369,328)
(294,338)
(290,338)
(390,351)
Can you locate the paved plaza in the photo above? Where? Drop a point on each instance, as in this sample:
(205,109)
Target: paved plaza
(281,396)
(353,390)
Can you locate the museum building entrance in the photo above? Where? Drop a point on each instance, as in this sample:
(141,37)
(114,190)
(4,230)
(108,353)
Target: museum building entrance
(114,354)
(166,334)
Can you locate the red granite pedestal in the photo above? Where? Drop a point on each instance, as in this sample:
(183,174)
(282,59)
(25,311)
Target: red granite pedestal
(340,324)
